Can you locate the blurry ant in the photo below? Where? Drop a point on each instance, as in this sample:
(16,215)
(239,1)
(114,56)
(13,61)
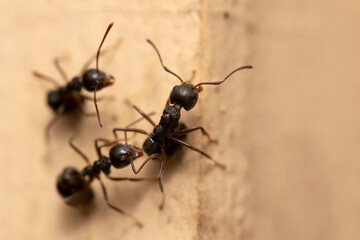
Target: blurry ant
(74,186)
(168,130)
(68,97)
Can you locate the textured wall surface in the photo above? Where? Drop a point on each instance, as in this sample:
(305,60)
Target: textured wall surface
(287,130)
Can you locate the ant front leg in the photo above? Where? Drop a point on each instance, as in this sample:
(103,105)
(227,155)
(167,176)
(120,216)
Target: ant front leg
(153,156)
(144,115)
(106,143)
(108,98)
(136,130)
(188,145)
(137,222)
(78,150)
(131,179)
(189,130)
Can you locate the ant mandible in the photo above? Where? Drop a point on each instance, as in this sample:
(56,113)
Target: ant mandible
(68,97)
(74,186)
(168,130)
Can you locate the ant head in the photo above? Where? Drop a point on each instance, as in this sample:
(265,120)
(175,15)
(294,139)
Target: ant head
(185,95)
(94,79)
(121,155)
(69,182)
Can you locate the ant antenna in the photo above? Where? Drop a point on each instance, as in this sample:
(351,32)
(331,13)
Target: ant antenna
(220,82)
(98,52)
(162,64)
(97,109)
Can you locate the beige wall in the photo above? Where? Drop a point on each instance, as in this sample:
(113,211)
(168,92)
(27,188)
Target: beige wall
(288,129)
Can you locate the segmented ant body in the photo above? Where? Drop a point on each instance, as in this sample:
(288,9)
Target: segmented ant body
(74,186)
(68,97)
(168,131)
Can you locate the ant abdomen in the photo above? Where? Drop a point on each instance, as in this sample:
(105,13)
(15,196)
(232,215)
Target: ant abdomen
(94,79)
(63,95)
(72,186)
(185,95)
(54,99)
(151,147)
(121,155)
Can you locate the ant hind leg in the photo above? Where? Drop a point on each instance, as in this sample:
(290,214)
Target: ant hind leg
(137,222)
(189,130)
(188,145)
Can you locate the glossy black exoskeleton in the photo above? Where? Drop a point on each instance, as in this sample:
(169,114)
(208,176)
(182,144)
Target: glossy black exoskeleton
(166,133)
(74,186)
(68,97)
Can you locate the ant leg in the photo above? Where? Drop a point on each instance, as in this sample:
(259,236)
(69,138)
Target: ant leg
(142,113)
(98,148)
(46,78)
(131,179)
(189,130)
(146,116)
(137,222)
(218,164)
(109,142)
(58,113)
(61,71)
(153,156)
(139,119)
(159,179)
(137,130)
(109,98)
(136,121)
(105,144)
(78,150)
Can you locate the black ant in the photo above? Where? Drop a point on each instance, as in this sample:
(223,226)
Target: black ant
(74,186)
(168,130)
(68,97)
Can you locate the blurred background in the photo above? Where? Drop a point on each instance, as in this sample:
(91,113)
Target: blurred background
(288,130)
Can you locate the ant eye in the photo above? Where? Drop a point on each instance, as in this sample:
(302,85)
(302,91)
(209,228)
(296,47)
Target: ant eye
(184,95)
